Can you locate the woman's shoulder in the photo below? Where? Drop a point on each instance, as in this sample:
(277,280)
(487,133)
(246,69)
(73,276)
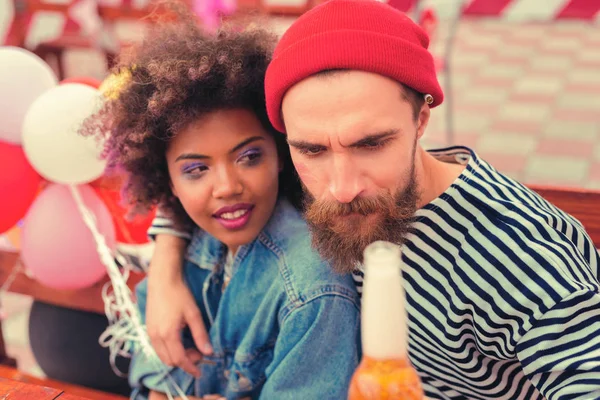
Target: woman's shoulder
(304,272)
(286,220)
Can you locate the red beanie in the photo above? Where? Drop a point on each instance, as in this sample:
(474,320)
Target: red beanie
(351,34)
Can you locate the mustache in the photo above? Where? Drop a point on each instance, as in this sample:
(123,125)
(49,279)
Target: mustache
(323,212)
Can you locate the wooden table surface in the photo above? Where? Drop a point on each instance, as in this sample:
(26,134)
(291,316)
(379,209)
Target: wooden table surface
(15,385)
(15,390)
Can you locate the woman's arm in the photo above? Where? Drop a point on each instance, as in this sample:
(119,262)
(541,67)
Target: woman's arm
(316,351)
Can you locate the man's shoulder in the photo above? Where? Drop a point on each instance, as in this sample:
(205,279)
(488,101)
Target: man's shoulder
(533,233)
(510,202)
(493,220)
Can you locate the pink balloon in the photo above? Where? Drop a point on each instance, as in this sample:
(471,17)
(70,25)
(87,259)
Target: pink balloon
(210,11)
(227,7)
(57,246)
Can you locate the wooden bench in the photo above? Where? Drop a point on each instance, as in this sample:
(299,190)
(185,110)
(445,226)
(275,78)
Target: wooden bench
(89,299)
(582,204)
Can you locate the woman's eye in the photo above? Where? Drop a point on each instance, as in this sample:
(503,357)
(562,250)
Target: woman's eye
(199,169)
(195,169)
(251,157)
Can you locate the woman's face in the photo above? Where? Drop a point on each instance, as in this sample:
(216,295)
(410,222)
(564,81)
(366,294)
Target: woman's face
(224,169)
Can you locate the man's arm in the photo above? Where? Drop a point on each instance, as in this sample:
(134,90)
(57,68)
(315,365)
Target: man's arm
(163,225)
(165,319)
(560,354)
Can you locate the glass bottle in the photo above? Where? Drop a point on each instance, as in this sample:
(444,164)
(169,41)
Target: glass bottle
(385,372)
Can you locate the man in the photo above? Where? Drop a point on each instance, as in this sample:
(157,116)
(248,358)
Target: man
(502,288)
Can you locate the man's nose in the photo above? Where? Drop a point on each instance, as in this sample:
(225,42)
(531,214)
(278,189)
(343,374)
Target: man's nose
(345,182)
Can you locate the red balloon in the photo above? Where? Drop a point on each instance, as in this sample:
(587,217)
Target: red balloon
(108,187)
(85,80)
(130,231)
(19,185)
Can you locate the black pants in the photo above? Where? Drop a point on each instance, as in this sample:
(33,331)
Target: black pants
(65,345)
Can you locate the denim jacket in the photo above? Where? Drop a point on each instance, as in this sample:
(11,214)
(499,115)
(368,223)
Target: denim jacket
(286,327)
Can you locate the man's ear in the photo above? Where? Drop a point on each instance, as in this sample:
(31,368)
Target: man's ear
(423,120)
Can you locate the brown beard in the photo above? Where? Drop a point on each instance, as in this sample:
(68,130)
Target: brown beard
(341,239)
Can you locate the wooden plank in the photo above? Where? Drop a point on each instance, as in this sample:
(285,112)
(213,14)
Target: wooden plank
(580,203)
(88,299)
(12,374)
(14,390)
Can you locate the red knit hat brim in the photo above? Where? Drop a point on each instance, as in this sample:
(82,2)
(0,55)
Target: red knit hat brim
(349,49)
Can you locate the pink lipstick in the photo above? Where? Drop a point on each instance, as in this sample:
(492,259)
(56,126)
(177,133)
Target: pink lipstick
(234,217)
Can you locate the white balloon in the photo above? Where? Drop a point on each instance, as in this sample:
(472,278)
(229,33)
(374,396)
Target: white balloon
(23,78)
(51,140)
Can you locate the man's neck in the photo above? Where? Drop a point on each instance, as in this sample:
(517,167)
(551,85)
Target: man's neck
(434,176)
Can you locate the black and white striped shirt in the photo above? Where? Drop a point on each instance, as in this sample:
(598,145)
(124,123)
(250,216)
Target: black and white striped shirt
(502,292)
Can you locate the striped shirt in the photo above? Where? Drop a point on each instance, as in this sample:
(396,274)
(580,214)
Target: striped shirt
(162,225)
(502,290)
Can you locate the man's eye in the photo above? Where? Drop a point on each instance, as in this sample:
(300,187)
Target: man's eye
(311,151)
(374,145)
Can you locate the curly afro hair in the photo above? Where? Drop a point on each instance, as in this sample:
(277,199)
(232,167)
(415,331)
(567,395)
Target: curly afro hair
(179,73)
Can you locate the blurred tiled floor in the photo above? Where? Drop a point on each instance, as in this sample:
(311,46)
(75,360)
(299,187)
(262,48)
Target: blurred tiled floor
(526,97)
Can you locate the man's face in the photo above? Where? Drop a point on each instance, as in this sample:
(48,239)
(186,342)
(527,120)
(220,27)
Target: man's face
(353,139)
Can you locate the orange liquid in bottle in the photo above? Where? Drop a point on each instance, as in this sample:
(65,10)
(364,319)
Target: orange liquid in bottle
(385,371)
(383,380)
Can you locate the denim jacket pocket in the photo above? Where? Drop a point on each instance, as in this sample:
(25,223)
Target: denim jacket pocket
(246,378)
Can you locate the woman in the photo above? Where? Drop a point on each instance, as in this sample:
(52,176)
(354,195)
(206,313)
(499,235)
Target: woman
(192,133)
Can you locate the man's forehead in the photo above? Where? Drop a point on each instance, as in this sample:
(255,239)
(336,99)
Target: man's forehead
(320,111)
(318,96)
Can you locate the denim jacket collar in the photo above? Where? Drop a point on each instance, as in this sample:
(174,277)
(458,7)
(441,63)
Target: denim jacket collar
(207,251)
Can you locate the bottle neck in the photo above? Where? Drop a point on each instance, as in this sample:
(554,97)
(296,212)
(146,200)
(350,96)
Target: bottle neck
(384,319)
